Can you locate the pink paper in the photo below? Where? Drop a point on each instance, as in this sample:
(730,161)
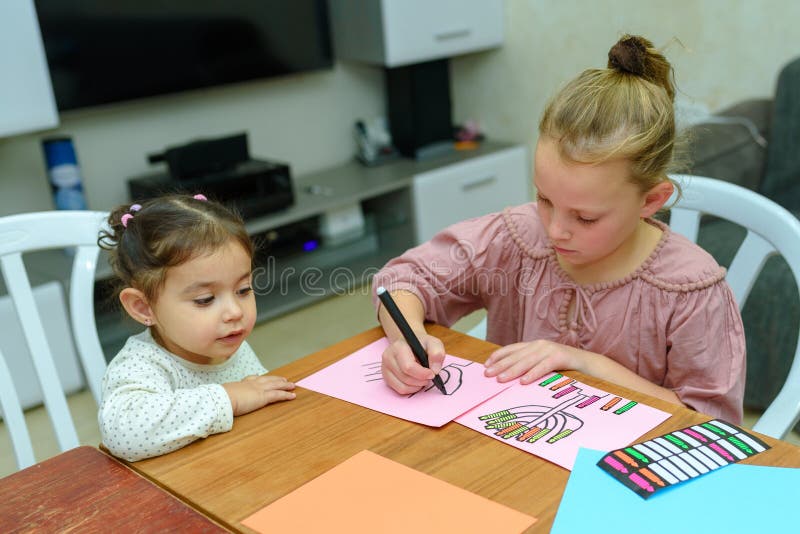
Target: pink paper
(357,379)
(555,416)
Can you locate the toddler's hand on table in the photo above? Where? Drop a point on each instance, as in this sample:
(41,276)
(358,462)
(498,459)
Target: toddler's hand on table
(403,373)
(532,360)
(254,392)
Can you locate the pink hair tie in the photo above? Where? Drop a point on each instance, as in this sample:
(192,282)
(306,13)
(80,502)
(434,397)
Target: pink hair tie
(200,197)
(128,216)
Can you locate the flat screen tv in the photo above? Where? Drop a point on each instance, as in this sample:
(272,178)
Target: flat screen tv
(103,51)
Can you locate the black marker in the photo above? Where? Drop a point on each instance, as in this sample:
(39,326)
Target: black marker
(408,334)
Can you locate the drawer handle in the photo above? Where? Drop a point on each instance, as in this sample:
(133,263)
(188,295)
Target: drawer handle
(480,182)
(454,34)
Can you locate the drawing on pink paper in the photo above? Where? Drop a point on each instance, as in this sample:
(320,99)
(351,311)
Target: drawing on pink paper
(452,375)
(357,379)
(556,416)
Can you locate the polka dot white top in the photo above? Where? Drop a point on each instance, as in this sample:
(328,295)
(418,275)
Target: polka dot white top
(155,402)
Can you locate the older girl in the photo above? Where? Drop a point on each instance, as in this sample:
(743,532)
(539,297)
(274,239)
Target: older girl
(584,278)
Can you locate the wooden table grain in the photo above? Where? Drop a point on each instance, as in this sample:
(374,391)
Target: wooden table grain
(275,450)
(85,490)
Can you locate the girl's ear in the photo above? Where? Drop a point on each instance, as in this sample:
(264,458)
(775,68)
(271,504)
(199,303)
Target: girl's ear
(655,199)
(135,303)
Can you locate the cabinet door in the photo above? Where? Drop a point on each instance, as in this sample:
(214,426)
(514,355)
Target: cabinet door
(26,95)
(469,189)
(422,30)
(394,33)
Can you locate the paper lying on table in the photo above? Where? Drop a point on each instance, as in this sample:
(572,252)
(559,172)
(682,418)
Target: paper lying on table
(739,498)
(369,493)
(357,379)
(555,416)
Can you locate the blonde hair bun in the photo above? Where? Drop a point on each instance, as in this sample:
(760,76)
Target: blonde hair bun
(629,54)
(623,111)
(633,54)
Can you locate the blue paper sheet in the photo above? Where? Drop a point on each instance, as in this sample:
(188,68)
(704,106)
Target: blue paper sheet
(739,498)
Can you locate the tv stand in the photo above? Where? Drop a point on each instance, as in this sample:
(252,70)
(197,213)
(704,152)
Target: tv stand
(404,202)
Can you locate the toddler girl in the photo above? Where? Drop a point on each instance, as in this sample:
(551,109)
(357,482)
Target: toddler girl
(584,278)
(184,266)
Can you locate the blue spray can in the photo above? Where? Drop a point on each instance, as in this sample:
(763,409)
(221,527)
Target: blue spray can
(64,173)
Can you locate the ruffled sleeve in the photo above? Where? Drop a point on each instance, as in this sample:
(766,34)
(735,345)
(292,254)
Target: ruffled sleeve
(706,352)
(693,307)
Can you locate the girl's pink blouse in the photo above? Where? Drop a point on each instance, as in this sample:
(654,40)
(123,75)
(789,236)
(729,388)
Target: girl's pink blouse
(673,321)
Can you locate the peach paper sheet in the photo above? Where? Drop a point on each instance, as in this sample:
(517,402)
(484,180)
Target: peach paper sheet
(368,493)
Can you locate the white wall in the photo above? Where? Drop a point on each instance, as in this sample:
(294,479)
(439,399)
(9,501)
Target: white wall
(722,51)
(305,120)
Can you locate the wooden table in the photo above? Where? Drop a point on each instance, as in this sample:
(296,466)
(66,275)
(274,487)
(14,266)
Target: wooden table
(85,490)
(275,450)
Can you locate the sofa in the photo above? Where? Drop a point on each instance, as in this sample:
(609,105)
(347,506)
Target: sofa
(756,144)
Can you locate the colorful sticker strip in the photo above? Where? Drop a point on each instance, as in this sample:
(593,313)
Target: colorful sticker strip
(680,455)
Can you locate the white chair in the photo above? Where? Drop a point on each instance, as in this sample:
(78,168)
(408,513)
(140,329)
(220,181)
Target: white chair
(479,330)
(771,230)
(37,231)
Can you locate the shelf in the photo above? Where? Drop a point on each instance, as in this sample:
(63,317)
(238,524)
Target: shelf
(352,182)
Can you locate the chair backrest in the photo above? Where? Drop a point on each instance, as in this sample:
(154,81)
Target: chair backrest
(479,330)
(771,230)
(37,231)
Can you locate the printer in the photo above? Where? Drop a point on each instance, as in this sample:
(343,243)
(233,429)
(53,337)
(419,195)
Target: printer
(223,170)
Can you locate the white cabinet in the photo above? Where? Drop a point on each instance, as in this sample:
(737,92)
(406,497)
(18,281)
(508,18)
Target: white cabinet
(468,189)
(26,95)
(393,33)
